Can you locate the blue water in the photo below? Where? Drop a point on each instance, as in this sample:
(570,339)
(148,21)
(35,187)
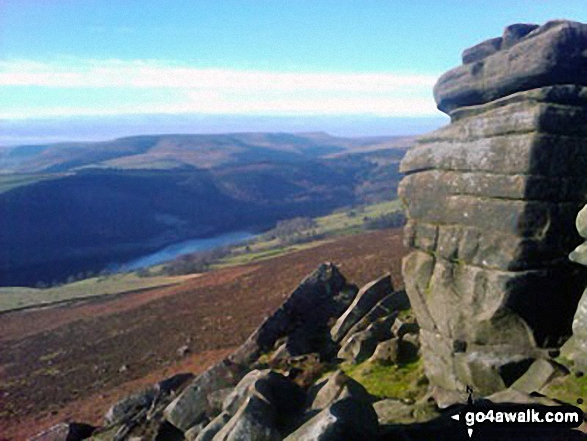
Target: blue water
(187,247)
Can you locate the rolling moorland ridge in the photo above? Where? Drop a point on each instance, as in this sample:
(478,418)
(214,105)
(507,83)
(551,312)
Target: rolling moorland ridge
(490,301)
(75,209)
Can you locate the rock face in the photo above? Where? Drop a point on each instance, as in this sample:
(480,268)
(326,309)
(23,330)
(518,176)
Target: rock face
(575,349)
(491,201)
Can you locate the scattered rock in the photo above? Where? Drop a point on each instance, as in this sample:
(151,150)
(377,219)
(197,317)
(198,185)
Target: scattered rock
(391,305)
(514,396)
(409,348)
(400,328)
(575,349)
(281,353)
(66,432)
(183,351)
(303,320)
(166,432)
(285,396)
(173,383)
(393,411)
(129,407)
(192,433)
(216,400)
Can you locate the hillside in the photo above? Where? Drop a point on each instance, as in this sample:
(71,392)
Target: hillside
(74,208)
(143,330)
(289,236)
(175,151)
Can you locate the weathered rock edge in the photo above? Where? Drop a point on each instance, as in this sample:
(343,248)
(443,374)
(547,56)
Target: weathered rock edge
(491,200)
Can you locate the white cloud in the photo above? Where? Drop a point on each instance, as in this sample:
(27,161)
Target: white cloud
(199,90)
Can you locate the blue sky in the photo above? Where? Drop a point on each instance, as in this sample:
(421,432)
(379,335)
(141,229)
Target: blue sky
(62,58)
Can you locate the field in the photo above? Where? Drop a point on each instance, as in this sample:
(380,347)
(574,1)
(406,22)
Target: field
(341,223)
(64,362)
(10,182)
(22,297)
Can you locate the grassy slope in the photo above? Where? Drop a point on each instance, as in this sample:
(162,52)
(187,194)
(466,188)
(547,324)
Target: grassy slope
(341,223)
(19,297)
(10,182)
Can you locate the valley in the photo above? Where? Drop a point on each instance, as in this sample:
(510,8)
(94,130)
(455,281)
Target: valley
(71,210)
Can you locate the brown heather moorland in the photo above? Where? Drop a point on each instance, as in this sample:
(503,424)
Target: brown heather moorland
(64,363)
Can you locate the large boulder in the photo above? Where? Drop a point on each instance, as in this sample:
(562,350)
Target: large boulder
(129,406)
(239,394)
(386,352)
(525,57)
(304,318)
(285,396)
(192,404)
(538,375)
(390,305)
(267,393)
(146,405)
(347,419)
(364,301)
(336,387)
(255,420)
(491,201)
(394,411)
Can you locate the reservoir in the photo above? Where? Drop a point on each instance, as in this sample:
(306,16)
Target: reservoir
(190,246)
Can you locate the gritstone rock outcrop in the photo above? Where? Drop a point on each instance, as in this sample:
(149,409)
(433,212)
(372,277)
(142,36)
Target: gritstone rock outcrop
(241,398)
(491,201)
(575,349)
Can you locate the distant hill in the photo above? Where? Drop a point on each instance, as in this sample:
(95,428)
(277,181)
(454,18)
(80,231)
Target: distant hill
(175,151)
(71,208)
